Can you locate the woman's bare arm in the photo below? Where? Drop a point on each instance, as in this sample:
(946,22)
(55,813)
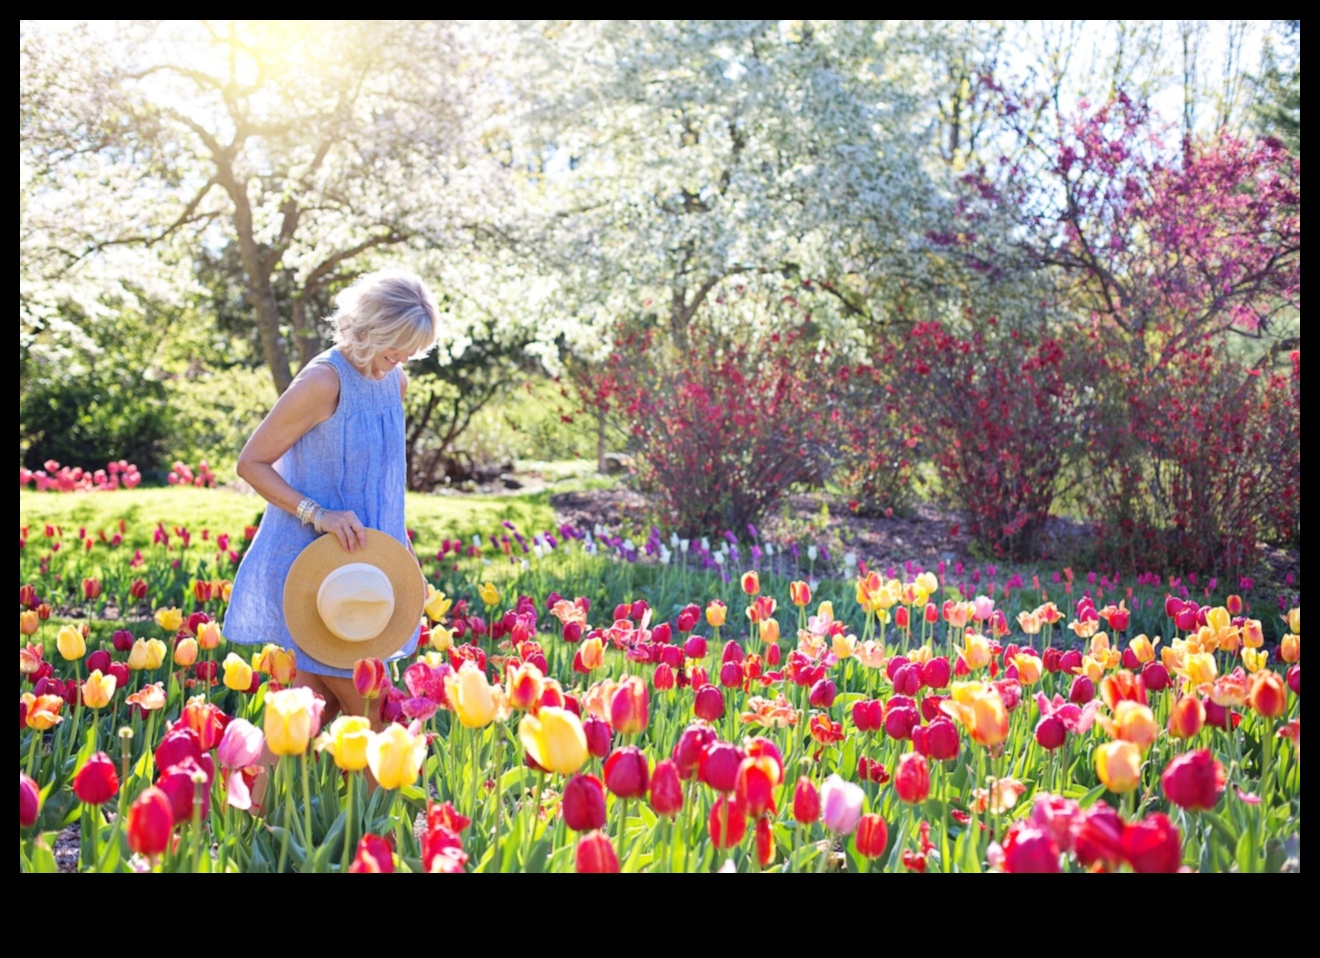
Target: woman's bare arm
(310,400)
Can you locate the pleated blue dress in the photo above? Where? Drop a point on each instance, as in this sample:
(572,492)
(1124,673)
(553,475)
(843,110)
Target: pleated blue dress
(354,460)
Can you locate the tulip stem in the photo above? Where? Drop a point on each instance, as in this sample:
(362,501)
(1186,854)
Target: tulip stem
(224,841)
(346,858)
(90,814)
(281,771)
(196,821)
(501,738)
(32,751)
(307,803)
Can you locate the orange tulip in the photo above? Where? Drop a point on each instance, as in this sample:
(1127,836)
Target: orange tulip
(1290,649)
(149,698)
(1133,722)
(716,612)
(799,593)
(630,706)
(1186,718)
(981,711)
(523,687)
(1268,695)
(592,653)
(43,711)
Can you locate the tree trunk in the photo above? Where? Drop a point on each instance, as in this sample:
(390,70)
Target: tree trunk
(600,443)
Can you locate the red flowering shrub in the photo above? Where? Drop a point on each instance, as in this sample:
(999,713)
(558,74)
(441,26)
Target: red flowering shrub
(723,429)
(878,432)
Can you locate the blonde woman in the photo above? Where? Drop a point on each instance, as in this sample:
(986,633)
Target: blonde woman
(330,457)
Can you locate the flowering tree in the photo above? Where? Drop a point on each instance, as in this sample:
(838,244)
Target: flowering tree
(311,146)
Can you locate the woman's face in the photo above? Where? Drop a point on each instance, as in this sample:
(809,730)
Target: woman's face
(387,360)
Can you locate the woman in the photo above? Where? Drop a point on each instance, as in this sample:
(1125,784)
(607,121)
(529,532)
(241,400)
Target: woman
(330,457)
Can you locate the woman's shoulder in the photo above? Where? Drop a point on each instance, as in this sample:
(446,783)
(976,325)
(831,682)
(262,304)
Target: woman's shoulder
(317,384)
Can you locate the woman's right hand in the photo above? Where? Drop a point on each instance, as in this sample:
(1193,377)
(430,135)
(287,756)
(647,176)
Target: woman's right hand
(346,526)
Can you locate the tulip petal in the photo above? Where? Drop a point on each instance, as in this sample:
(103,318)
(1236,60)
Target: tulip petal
(238,794)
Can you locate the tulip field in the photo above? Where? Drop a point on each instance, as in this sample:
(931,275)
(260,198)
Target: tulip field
(585,703)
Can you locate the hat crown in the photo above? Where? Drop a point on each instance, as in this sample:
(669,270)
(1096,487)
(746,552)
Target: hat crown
(356,601)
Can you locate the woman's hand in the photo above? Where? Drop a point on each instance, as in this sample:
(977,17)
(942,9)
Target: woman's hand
(346,526)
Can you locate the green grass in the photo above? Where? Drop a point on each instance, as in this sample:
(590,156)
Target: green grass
(433,517)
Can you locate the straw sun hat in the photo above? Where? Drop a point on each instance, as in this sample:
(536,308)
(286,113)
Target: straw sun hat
(344,606)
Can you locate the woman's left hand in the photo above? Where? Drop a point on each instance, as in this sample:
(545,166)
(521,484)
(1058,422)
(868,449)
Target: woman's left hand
(346,526)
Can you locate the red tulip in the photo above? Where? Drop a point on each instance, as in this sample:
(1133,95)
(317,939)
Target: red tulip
(872,836)
(375,856)
(869,770)
(755,784)
(1295,679)
(150,822)
(666,789)
(695,647)
(599,736)
(584,803)
(806,802)
(96,782)
(731,675)
(662,634)
(595,855)
(719,766)
(692,744)
(868,716)
(765,842)
(178,785)
(122,640)
(1153,845)
(626,772)
(1194,781)
(663,678)
(688,619)
(369,678)
(900,721)
(1099,837)
(1082,691)
(630,707)
(708,704)
(99,661)
(1030,850)
(29,801)
(912,778)
(937,672)
(907,679)
(822,694)
(1155,677)
(737,821)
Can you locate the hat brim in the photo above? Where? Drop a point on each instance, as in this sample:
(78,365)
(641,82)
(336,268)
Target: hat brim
(311,567)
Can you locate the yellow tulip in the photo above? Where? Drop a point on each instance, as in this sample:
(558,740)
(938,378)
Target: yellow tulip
(346,740)
(843,646)
(1290,649)
(1295,621)
(1255,659)
(437,605)
(1029,622)
(826,611)
(489,594)
(716,612)
(1253,636)
(928,583)
(1218,619)
(554,739)
(470,696)
(1199,669)
(1119,766)
(238,674)
(28,622)
(442,639)
(592,652)
(395,756)
(98,690)
(71,643)
(770,631)
(976,651)
(137,656)
(156,652)
(170,619)
(293,717)
(921,656)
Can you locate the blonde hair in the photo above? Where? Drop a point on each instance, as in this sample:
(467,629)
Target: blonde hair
(388,309)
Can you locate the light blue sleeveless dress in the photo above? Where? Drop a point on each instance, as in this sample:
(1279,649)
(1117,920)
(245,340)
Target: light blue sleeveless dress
(354,460)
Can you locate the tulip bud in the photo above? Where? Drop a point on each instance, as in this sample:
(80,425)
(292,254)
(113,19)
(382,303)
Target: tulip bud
(688,618)
(872,836)
(719,766)
(708,704)
(900,721)
(122,640)
(1268,696)
(941,740)
(238,673)
(599,736)
(806,802)
(755,783)
(584,803)
(1155,676)
(822,694)
(692,744)
(841,805)
(29,801)
(97,781)
(1295,680)
(1119,765)
(868,716)
(1050,733)
(1194,781)
(99,661)
(666,789)
(695,647)
(727,811)
(1029,850)
(1082,691)
(70,643)
(150,822)
(185,653)
(912,779)
(663,678)
(731,675)
(595,855)
(626,772)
